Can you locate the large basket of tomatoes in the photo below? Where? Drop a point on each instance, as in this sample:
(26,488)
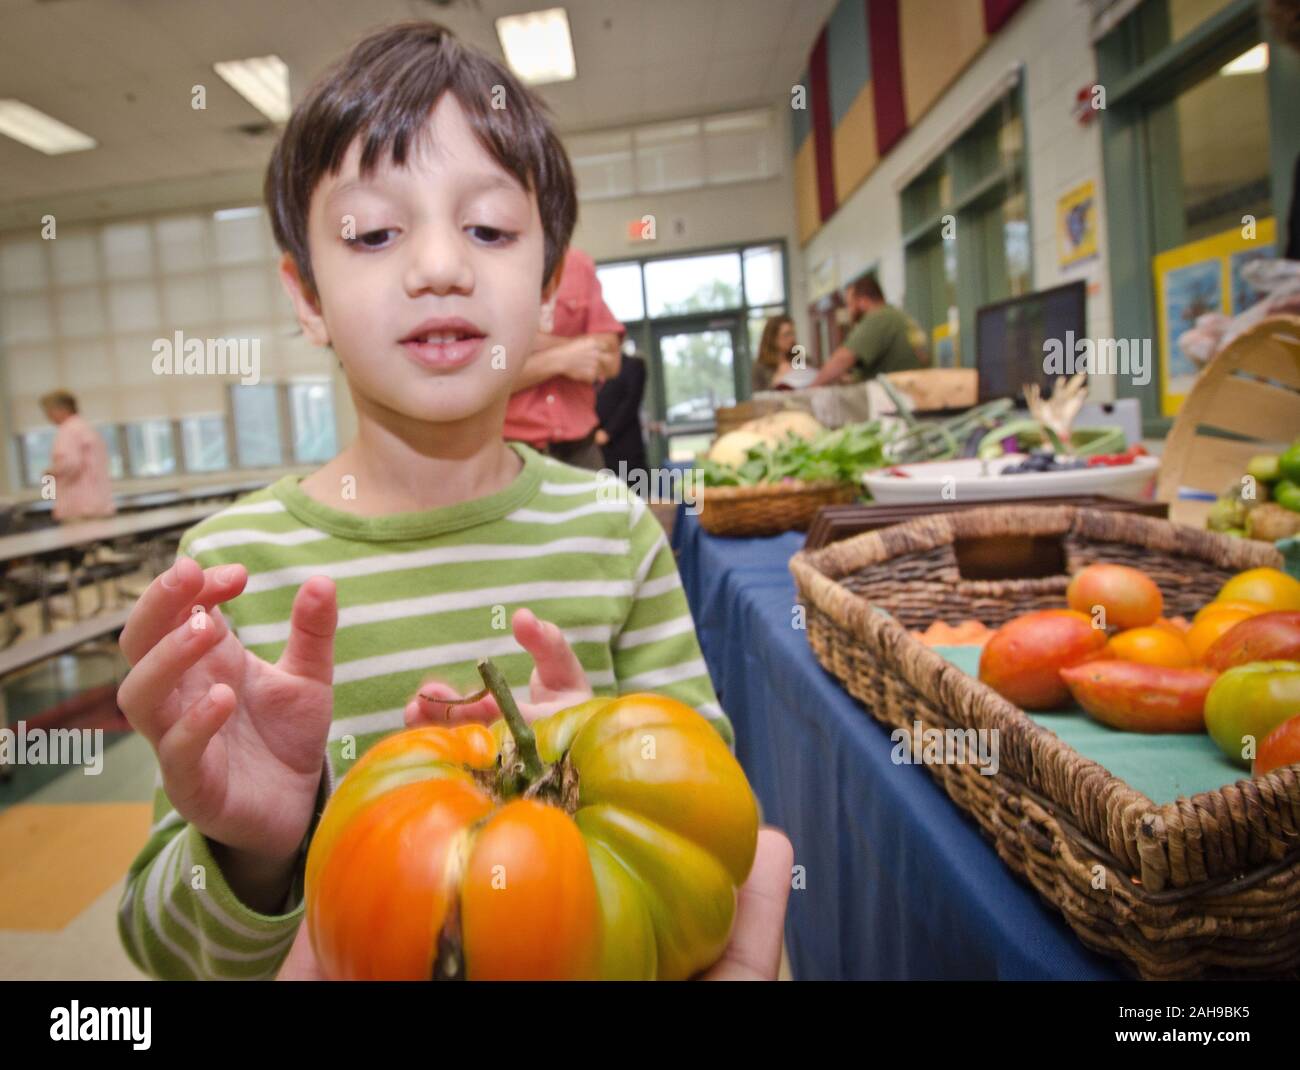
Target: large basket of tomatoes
(1169,629)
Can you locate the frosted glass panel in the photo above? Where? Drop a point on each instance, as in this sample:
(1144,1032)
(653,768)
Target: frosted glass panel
(245,292)
(35,369)
(22,266)
(128,252)
(181,243)
(239,236)
(27,318)
(133,306)
(133,362)
(81,312)
(189,300)
(88,364)
(76,258)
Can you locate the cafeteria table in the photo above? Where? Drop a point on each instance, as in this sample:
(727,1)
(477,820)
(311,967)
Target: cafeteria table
(892,880)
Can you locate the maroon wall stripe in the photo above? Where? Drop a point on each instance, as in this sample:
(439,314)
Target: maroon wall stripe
(819,73)
(997,12)
(886,73)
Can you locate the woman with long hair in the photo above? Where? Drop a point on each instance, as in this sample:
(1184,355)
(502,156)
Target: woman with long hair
(773,362)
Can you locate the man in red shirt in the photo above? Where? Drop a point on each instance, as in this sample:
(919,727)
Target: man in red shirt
(577,345)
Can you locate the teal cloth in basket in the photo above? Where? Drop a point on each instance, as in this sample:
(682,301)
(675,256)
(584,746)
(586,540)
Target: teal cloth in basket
(1162,767)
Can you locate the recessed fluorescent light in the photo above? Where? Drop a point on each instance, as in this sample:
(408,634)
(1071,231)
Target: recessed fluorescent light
(538,47)
(224,215)
(262,81)
(1251,62)
(39,131)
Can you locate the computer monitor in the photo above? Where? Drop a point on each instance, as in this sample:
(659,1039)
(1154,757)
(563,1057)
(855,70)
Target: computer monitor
(1010,337)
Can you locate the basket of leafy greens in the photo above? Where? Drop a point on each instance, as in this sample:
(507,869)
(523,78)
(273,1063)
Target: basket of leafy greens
(780,487)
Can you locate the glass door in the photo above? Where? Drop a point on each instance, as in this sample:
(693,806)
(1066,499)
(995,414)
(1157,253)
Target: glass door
(694,372)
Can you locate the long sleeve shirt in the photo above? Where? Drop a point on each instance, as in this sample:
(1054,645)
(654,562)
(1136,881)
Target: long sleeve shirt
(419,593)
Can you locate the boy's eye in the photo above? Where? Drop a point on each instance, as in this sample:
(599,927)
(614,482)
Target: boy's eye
(491,235)
(371,239)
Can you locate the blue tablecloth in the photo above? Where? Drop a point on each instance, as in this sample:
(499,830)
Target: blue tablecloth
(899,883)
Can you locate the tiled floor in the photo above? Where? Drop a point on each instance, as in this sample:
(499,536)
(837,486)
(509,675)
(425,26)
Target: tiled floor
(66,838)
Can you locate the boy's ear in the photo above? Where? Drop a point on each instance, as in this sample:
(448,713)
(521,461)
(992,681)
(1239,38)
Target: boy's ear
(548,291)
(306,305)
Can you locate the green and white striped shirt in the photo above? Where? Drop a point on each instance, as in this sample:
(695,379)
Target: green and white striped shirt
(420,594)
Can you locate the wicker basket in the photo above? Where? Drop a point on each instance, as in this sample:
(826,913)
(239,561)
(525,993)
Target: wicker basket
(769,510)
(1205,885)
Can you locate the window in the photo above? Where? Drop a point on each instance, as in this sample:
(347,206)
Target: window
(150,447)
(693,284)
(966,227)
(716,303)
(311,405)
(682,154)
(108,432)
(1220,169)
(37,446)
(203,443)
(1198,134)
(764,275)
(620,286)
(256,408)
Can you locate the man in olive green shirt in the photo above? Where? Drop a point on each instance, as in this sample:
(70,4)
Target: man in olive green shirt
(883,339)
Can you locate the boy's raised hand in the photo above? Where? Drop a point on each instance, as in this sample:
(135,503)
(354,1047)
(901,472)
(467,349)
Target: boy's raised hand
(557,681)
(240,742)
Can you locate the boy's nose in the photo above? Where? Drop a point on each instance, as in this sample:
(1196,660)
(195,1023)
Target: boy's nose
(438,262)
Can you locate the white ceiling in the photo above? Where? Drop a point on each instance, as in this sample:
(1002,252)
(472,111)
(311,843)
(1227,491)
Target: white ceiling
(122,70)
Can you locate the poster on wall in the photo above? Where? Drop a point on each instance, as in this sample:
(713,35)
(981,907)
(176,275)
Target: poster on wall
(1076,225)
(1198,278)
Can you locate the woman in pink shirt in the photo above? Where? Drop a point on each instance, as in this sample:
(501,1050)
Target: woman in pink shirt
(78,462)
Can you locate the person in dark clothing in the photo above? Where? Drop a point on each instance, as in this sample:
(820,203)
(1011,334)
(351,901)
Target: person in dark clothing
(618,408)
(1285,15)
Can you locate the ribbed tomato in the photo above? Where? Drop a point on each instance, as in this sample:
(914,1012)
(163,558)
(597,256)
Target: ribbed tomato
(606,841)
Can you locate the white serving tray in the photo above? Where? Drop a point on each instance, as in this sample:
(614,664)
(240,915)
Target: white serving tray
(966,481)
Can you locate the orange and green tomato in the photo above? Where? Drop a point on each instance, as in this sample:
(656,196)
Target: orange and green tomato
(615,851)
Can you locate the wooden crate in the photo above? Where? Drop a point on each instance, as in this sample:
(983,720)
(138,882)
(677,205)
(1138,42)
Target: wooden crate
(1252,390)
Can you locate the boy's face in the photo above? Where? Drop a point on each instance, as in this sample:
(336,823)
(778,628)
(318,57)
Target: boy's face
(451,235)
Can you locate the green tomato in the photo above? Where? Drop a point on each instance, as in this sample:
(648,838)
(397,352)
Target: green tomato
(1288,465)
(1287,494)
(1264,467)
(1251,700)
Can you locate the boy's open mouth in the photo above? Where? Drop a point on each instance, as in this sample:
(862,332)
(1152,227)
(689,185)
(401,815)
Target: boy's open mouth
(444,344)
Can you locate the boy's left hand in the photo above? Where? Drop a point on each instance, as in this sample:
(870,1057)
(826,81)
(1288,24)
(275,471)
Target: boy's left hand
(557,681)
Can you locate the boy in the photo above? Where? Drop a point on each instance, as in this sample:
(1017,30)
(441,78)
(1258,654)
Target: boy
(424,205)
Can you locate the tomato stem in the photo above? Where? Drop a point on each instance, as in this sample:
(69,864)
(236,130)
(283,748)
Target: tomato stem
(525,739)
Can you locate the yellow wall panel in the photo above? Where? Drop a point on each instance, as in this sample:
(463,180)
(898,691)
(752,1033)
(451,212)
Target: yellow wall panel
(937,39)
(805,190)
(855,144)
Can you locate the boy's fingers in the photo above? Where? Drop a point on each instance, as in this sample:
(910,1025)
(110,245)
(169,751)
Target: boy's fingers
(558,667)
(156,675)
(425,709)
(171,597)
(312,622)
(180,751)
(754,951)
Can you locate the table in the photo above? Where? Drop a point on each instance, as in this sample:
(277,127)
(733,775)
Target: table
(898,882)
(74,538)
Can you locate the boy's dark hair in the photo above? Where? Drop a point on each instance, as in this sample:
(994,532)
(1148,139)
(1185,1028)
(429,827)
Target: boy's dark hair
(383,92)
